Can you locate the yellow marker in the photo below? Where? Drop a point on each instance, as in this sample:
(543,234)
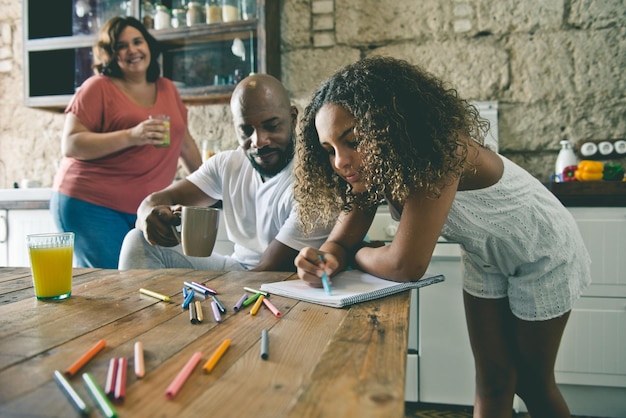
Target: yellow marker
(199,313)
(154,294)
(217,354)
(257,305)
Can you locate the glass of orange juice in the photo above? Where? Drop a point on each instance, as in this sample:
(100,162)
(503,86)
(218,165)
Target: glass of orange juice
(166,122)
(51,264)
(209,149)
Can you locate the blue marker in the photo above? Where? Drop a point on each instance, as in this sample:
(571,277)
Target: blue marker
(188,299)
(325,278)
(197,288)
(219,304)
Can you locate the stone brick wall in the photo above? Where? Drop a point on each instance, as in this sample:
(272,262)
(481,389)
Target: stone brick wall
(556,67)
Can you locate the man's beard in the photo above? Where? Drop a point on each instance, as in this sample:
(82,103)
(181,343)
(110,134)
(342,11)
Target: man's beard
(284,157)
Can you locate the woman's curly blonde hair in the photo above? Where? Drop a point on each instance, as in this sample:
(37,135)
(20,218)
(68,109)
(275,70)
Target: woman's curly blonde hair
(411,131)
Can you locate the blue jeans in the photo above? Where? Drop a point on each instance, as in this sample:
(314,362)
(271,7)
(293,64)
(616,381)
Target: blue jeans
(99,231)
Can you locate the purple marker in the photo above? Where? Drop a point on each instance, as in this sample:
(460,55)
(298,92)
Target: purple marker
(216,312)
(240,302)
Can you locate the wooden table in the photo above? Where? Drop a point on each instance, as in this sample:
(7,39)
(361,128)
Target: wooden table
(323,362)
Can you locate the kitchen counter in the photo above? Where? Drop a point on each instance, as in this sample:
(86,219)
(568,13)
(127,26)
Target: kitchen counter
(590,193)
(36,198)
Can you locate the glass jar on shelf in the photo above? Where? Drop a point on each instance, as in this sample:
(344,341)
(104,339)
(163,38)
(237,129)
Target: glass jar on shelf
(195,13)
(248,9)
(147,14)
(230,10)
(162,18)
(213,9)
(179,18)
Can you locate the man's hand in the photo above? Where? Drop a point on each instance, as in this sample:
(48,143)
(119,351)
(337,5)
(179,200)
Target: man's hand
(157,228)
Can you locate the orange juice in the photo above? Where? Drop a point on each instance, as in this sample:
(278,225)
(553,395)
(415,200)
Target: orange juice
(166,140)
(52,272)
(166,122)
(207,154)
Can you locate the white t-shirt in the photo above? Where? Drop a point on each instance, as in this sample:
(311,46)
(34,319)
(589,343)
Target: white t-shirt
(255,212)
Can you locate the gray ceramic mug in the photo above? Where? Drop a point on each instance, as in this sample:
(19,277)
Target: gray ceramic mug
(198,230)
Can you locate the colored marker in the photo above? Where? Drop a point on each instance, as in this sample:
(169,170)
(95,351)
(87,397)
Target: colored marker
(216,356)
(109,386)
(120,381)
(193,317)
(216,312)
(251,299)
(185,292)
(140,369)
(98,396)
(188,299)
(196,288)
(199,313)
(71,371)
(208,289)
(71,395)
(265,345)
(241,300)
(220,306)
(257,305)
(154,294)
(182,376)
(325,282)
(251,290)
(272,307)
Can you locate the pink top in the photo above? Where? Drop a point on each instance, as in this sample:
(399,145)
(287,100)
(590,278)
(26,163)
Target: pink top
(120,181)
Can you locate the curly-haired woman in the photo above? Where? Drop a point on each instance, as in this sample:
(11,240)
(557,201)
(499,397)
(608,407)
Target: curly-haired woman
(382,130)
(112,159)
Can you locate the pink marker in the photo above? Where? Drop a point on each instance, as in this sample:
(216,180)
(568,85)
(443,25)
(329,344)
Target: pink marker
(182,376)
(272,308)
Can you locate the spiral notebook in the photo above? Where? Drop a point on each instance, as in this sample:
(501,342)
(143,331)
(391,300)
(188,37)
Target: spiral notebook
(347,288)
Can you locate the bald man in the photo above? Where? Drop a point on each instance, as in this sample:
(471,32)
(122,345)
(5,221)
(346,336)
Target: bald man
(254,183)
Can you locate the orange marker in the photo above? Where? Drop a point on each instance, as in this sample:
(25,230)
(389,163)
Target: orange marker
(257,305)
(215,357)
(139,363)
(71,371)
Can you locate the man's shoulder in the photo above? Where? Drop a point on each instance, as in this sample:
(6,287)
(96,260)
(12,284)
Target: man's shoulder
(231,158)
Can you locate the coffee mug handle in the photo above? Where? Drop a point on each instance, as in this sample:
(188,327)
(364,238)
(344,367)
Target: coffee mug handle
(174,230)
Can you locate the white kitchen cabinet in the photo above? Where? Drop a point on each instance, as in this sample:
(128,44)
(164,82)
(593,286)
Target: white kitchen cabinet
(591,365)
(22,212)
(4,238)
(446,363)
(17,224)
(592,351)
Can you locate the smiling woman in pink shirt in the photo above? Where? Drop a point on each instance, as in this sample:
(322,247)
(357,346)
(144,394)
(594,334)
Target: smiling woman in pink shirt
(112,157)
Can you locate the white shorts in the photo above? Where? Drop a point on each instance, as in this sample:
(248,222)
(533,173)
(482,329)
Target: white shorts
(534,294)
